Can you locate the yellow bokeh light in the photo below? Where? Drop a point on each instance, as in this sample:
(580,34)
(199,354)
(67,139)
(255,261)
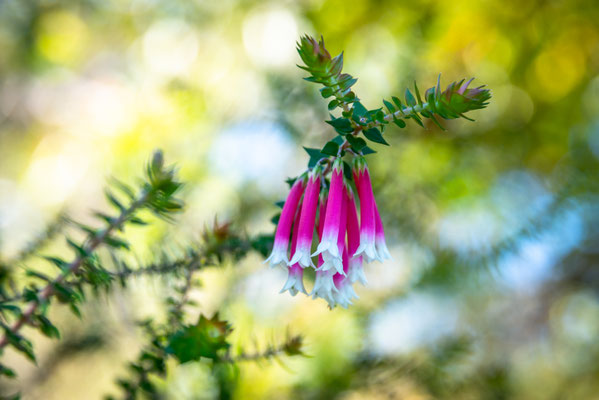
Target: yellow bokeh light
(62,37)
(557,69)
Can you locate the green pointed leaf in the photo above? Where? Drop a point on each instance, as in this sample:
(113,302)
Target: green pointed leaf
(367,150)
(137,221)
(333,104)
(347,83)
(11,308)
(20,343)
(339,140)
(375,135)
(9,373)
(326,92)
(417,93)
(357,143)
(330,148)
(410,100)
(47,327)
(389,106)
(397,102)
(315,155)
(78,249)
(341,125)
(399,122)
(359,109)
(416,118)
(116,242)
(113,200)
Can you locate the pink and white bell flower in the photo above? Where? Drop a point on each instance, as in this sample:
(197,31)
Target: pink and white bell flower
(302,253)
(355,270)
(367,246)
(295,281)
(381,244)
(345,292)
(295,278)
(281,243)
(324,287)
(328,245)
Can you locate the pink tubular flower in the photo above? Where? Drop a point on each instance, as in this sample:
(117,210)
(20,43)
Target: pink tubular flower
(328,243)
(355,271)
(279,251)
(381,244)
(295,281)
(367,214)
(330,261)
(306,222)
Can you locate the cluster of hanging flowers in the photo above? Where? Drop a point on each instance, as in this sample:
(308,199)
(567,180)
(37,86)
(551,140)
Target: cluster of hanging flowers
(326,205)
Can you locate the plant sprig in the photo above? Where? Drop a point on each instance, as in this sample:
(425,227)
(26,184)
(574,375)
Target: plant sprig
(451,103)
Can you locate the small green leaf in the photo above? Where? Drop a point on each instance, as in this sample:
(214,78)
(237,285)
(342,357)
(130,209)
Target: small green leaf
(20,343)
(341,125)
(346,84)
(113,200)
(275,219)
(116,242)
(330,148)
(389,106)
(399,122)
(397,102)
(78,249)
(137,221)
(339,140)
(47,327)
(11,308)
(416,118)
(357,143)
(367,150)
(9,373)
(417,93)
(333,104)
(359,110)
(326,92)
(315,155)
(374,135)
(410,100)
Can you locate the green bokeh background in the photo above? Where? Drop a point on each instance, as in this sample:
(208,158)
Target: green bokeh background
(493,225)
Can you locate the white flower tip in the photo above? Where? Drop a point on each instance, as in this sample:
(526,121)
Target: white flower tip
(294,284)
(356,274)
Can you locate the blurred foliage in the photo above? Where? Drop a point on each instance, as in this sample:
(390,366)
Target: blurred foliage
(492,225)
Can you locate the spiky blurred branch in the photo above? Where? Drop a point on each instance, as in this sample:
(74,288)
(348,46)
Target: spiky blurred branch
(156,194)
